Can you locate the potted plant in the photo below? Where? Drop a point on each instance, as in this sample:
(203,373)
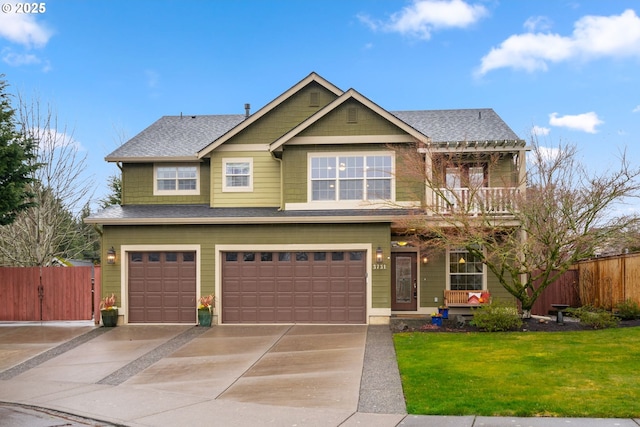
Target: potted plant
(436,319)
(109,311)
(444,310)
(205,305)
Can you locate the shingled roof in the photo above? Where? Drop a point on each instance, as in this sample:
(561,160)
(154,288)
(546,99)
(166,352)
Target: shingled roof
(181,137)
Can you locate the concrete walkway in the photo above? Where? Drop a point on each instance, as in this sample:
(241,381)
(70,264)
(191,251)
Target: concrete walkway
(280,375)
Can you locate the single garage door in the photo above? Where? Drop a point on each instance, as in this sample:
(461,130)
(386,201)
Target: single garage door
(162,287)
(294,287)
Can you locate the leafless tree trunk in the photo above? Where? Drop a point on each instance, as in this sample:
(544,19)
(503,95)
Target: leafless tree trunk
(61,187)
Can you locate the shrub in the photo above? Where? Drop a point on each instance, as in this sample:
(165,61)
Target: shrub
(497,316)
(594,317)
(628,310)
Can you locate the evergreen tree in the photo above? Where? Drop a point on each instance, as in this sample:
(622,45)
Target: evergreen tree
(17,163)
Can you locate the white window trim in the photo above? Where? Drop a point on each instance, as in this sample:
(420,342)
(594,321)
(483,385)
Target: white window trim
(227,189)
(448,274)
(156,192)
(349,204)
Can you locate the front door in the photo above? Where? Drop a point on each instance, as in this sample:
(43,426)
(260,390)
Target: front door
(404,284)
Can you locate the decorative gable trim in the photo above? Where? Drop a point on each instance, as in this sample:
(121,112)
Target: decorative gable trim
(348,95)
(313,77)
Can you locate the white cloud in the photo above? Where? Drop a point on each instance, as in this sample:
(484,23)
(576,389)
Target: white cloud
(585,122)
(540,131)
(537,23)
(423,17)
(593,37)
(17,59)
(24,29)
(636,110)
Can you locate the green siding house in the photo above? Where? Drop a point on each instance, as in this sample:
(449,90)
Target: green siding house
(292,214)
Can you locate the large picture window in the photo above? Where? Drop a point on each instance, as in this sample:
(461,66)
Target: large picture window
(176,179)
(466,271)
(351,177)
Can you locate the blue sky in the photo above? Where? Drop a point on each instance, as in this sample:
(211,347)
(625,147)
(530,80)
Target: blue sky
(566,70)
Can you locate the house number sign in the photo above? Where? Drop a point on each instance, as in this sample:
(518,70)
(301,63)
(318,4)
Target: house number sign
(379,266)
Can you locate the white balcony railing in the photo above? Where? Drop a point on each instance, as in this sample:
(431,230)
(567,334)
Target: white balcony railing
(491,200)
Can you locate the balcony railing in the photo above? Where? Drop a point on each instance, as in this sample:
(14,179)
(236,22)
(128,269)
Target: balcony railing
(490,200)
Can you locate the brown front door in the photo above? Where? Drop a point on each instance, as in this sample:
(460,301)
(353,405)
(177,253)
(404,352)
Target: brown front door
(404,282)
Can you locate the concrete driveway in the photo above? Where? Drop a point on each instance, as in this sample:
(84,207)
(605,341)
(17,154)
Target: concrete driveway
(176,375)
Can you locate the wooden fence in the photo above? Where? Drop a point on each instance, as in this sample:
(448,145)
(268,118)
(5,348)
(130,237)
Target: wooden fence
(49,293)
(565,290)
(605,282)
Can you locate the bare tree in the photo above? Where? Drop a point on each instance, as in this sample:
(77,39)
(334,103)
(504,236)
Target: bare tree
(61,189)
(563,216)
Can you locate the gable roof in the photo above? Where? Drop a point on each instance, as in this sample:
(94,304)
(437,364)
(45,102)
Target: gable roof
(190,138)
(350,94)
(313,77)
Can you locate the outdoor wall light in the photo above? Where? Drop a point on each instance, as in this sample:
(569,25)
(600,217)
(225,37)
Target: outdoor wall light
(379,255)
(425,259)
(111,256)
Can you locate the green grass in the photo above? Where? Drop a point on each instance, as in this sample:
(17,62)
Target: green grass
(559,374)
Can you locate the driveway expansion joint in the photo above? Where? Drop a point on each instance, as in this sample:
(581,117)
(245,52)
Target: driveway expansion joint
(51,353)
(153,356)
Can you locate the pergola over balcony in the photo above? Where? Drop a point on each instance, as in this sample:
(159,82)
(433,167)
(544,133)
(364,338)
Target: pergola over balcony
(472,191)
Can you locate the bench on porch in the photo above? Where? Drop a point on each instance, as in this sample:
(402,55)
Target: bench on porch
(466,298)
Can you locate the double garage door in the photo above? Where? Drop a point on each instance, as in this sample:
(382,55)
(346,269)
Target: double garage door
(257,287)
(294,287)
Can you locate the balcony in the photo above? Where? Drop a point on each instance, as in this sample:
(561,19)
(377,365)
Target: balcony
(475,201)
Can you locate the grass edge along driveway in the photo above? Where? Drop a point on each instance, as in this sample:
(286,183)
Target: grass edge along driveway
(528,374)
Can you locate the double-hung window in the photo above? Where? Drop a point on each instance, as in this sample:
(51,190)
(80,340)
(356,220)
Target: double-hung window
(351,177)
(176,180)
(238,175)
(466,271)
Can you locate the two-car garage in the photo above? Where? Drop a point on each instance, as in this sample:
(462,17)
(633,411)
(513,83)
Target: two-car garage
(256,287)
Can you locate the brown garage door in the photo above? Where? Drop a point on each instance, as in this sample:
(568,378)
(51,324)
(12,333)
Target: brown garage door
(162,287)
(294,287)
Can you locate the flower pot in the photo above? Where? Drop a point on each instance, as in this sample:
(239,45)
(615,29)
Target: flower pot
(435,320)
(444,312)
(109,317)
(204,317)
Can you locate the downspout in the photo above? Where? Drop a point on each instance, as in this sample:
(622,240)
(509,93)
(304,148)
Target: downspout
(119,165)
(273,155)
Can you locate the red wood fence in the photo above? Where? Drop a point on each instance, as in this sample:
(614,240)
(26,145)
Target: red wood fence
(565,290)
(49,293)
(607,281)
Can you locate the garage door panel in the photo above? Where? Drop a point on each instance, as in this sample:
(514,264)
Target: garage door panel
(290,287)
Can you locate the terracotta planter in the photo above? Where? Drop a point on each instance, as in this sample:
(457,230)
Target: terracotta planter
(109,317)
(204,317)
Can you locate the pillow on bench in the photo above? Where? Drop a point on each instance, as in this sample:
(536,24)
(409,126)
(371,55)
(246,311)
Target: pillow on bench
(474,297)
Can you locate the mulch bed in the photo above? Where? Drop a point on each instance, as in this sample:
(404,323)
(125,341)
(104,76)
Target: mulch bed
(533,325)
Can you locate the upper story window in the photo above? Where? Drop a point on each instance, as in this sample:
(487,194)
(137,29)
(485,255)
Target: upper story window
(238,174)
(351,177)
(176,180)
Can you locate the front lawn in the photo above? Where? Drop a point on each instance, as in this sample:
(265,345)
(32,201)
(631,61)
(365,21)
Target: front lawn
(561,374)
